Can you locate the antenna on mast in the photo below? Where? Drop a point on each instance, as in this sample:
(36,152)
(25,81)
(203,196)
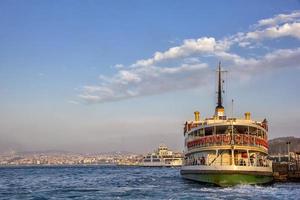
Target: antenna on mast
(220,88)
(219,112)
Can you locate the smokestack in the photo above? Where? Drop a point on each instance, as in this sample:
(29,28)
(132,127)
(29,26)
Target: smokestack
(247,115)
(197,116)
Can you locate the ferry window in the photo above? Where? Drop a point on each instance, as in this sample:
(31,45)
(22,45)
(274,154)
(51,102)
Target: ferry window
(241,129)
(197,133)
(252,130)
(259,133)
(208,131)
(264,135)
(234,130)
(240,157)
(202,132)
(221,129)
(228,130)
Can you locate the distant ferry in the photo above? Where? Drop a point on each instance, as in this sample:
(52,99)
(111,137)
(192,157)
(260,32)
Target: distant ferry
(162,157)
(226,151)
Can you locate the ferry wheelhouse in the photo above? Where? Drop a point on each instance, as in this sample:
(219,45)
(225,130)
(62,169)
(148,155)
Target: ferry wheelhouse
(226,151)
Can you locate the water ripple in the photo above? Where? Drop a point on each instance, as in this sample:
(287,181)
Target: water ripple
(113,182)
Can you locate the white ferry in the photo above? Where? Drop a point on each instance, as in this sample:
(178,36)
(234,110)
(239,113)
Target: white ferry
(162,157)
(226,151)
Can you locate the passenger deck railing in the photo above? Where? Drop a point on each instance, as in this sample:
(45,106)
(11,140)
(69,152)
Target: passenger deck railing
(256,163)
(226,139)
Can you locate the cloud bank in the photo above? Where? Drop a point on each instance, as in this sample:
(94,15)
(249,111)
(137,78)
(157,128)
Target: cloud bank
(187,65)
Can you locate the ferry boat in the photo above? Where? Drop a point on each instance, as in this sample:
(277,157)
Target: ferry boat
(226,151)
(162,157)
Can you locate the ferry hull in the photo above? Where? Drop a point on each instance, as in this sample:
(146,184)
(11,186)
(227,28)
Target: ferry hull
(224,179)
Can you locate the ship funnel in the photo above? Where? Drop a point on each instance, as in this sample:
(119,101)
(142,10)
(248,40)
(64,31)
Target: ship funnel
(197,115)
(247,115)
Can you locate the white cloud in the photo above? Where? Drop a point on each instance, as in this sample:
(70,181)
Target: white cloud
(285,30)
(280,58)
(278,19)
(152,80)
(188,48)
(159,74)
(125,77)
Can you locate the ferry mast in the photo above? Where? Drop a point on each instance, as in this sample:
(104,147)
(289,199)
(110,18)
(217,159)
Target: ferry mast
(219,112)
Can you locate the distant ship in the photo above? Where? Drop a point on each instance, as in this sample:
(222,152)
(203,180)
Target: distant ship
(162,157)
(226,151)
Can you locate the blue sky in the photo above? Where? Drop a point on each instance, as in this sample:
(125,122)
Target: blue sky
(93,76)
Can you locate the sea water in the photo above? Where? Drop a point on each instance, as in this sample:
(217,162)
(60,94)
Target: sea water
(117,182)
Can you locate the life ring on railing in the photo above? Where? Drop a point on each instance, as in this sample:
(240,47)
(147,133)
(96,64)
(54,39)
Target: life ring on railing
(237,139)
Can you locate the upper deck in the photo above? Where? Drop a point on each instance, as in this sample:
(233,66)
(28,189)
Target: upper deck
(223,133)
(191,126)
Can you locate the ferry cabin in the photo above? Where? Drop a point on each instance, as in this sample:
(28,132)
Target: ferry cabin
(219,141)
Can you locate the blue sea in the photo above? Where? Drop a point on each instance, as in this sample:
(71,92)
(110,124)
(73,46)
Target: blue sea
(115,182)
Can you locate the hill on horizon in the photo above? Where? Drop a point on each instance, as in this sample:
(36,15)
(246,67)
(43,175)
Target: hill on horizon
(278,145)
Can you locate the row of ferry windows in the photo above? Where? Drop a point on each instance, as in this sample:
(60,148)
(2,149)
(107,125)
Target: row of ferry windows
(227,130)
(223,157)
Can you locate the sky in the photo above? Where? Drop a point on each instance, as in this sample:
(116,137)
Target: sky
(98,76)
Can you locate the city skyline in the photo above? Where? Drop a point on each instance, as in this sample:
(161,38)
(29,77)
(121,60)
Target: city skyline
(105,76)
